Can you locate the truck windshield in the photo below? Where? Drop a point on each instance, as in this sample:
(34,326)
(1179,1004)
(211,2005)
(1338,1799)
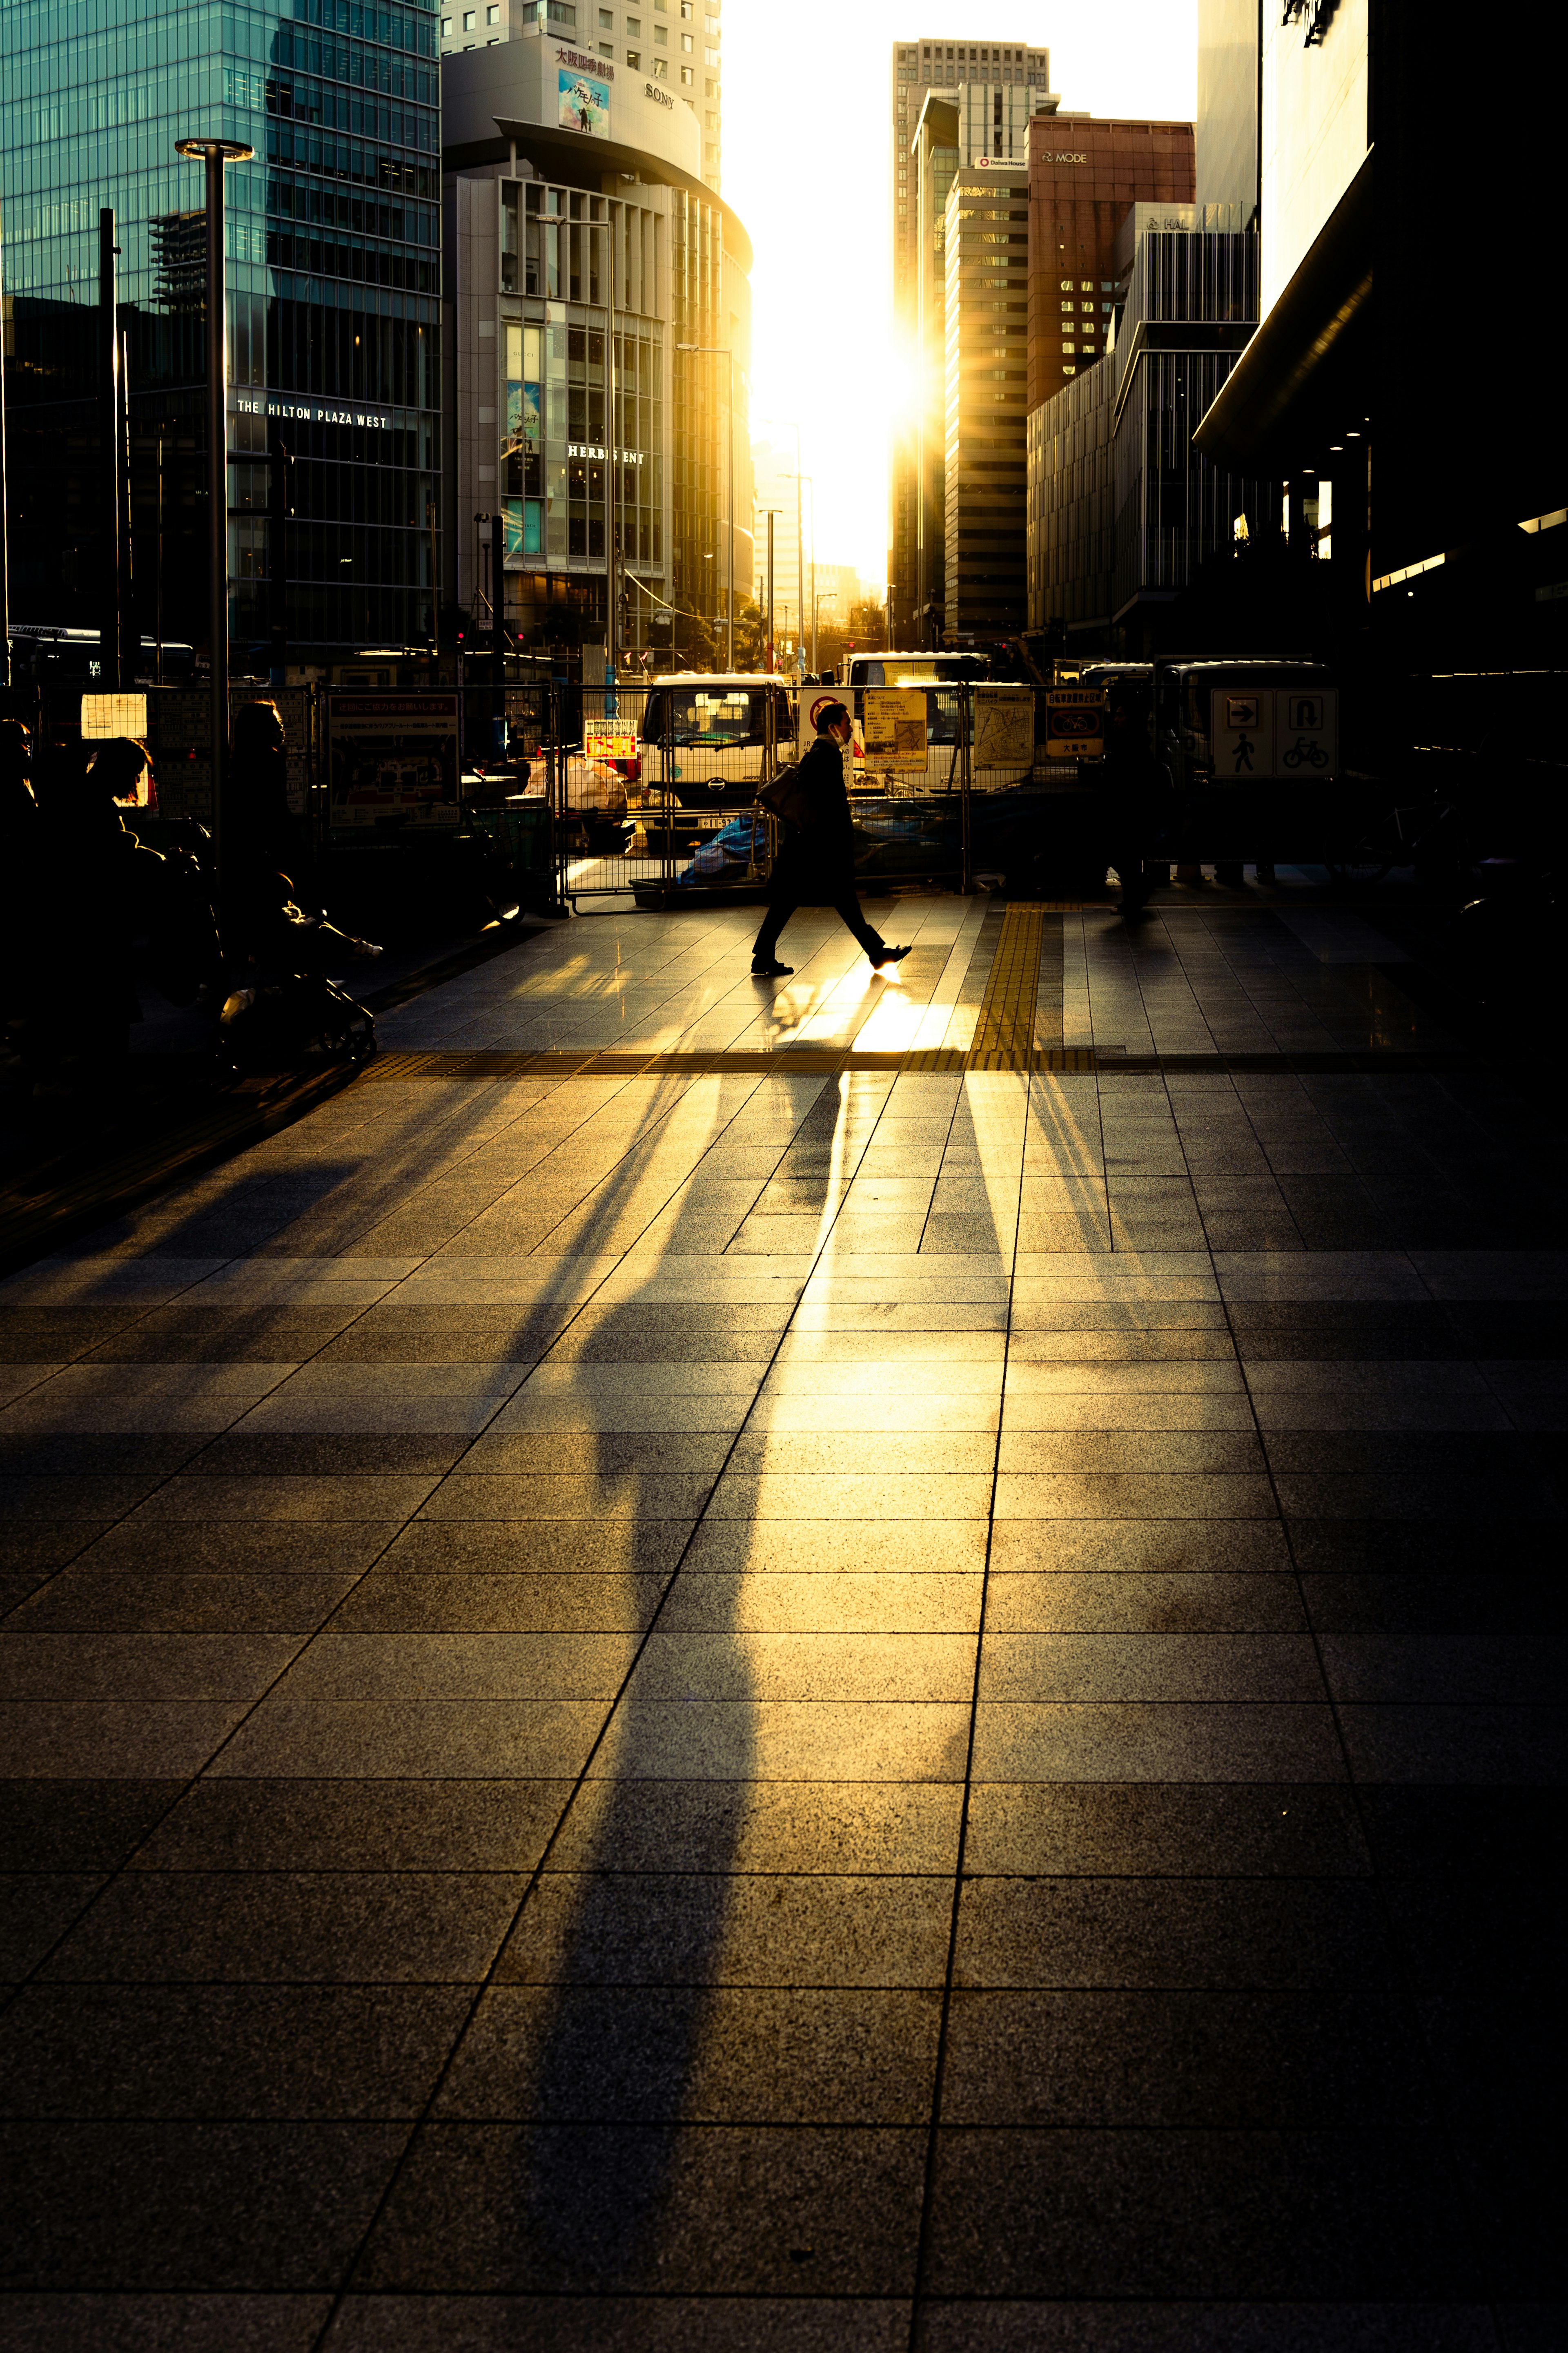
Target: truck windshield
(715,715)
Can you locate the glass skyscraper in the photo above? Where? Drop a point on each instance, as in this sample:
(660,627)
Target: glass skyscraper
(333,249)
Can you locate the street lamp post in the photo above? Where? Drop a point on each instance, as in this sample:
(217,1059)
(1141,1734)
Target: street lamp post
(215,154)
(723,352)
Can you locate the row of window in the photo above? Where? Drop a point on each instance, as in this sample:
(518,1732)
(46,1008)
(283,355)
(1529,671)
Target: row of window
(981,56)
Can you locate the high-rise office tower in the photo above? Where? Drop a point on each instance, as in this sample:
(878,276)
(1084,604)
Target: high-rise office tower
(989,90)
(1085,176)
(986,321)
(333,276)
(676,43)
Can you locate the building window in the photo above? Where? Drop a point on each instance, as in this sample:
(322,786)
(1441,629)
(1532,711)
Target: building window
(492,15)
(468,20)
(634,59)
(1066,306)
(633,28)
(709,57)
(661,71)
(446,27)
(687,77)
(686,44)
(661,37)
(1069,348)
(606,21)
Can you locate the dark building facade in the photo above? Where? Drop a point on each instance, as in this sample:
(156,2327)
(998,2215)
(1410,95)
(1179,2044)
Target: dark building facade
(333,276)
(985,375)
(1123,512)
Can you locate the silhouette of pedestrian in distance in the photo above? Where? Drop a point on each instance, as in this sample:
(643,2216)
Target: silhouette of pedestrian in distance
(816,864)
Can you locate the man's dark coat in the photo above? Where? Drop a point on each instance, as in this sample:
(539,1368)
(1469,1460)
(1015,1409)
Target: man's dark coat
(816,864)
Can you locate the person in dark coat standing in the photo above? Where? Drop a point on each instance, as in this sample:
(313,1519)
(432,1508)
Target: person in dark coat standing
(816,864)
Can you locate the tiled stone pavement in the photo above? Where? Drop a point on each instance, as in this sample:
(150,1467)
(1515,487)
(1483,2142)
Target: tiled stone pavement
(804,1712)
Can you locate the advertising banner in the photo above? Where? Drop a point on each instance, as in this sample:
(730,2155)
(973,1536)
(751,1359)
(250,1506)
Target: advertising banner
(1076,721)
(1003,727)
(894,732)
(608,743)
(394,755)
(583,102)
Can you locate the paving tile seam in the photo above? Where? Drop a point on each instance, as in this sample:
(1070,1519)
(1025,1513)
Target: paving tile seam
(923,2255)
(1443,2119)
(367,2236)
(813,1061)
(16,1990)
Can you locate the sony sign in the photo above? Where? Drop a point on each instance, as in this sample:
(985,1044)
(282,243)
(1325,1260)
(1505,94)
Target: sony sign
(652,90)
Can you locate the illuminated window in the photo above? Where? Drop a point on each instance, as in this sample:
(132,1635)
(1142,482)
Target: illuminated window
(1087,285)
(1066,306)
(687,77)
(634,59)
(1065,284)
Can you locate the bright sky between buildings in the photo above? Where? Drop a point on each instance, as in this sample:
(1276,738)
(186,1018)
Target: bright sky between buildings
(806,135)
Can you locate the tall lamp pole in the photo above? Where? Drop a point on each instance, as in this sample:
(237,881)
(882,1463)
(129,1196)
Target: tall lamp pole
(5,526)
(723,352)
(216,153)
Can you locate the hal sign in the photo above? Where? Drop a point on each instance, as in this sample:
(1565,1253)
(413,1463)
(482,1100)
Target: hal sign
(1075,723)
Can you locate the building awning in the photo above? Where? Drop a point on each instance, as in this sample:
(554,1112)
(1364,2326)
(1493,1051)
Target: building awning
(1309,357)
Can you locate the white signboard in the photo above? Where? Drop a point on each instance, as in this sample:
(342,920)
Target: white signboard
(1279,732)
(1307,731)
(1003,727)
(1241,735)
(394,755)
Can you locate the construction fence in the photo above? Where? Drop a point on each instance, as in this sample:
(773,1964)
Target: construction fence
(565,796)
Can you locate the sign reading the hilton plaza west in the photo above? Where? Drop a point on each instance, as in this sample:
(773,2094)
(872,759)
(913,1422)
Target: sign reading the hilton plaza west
(310,412)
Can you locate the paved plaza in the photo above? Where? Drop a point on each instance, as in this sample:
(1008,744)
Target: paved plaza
(824,1666)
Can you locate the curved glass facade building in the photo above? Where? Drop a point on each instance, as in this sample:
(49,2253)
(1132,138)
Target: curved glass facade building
(334,265)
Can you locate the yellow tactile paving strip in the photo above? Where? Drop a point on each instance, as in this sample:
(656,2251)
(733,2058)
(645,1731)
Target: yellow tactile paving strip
(1004,1032)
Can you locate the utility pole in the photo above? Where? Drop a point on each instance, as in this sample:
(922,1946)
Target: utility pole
(216,153)
(771,640)
(435,580)
(111,495)
(130,628)
(5,525)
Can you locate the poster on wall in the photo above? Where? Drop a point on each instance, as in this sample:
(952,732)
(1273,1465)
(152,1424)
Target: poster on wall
(584,103)
(394,755)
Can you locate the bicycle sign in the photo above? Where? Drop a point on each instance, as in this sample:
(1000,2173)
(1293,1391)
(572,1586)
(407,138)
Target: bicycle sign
(1273,733)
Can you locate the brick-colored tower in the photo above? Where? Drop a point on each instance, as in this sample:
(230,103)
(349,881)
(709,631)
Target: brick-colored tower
(1084,177)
